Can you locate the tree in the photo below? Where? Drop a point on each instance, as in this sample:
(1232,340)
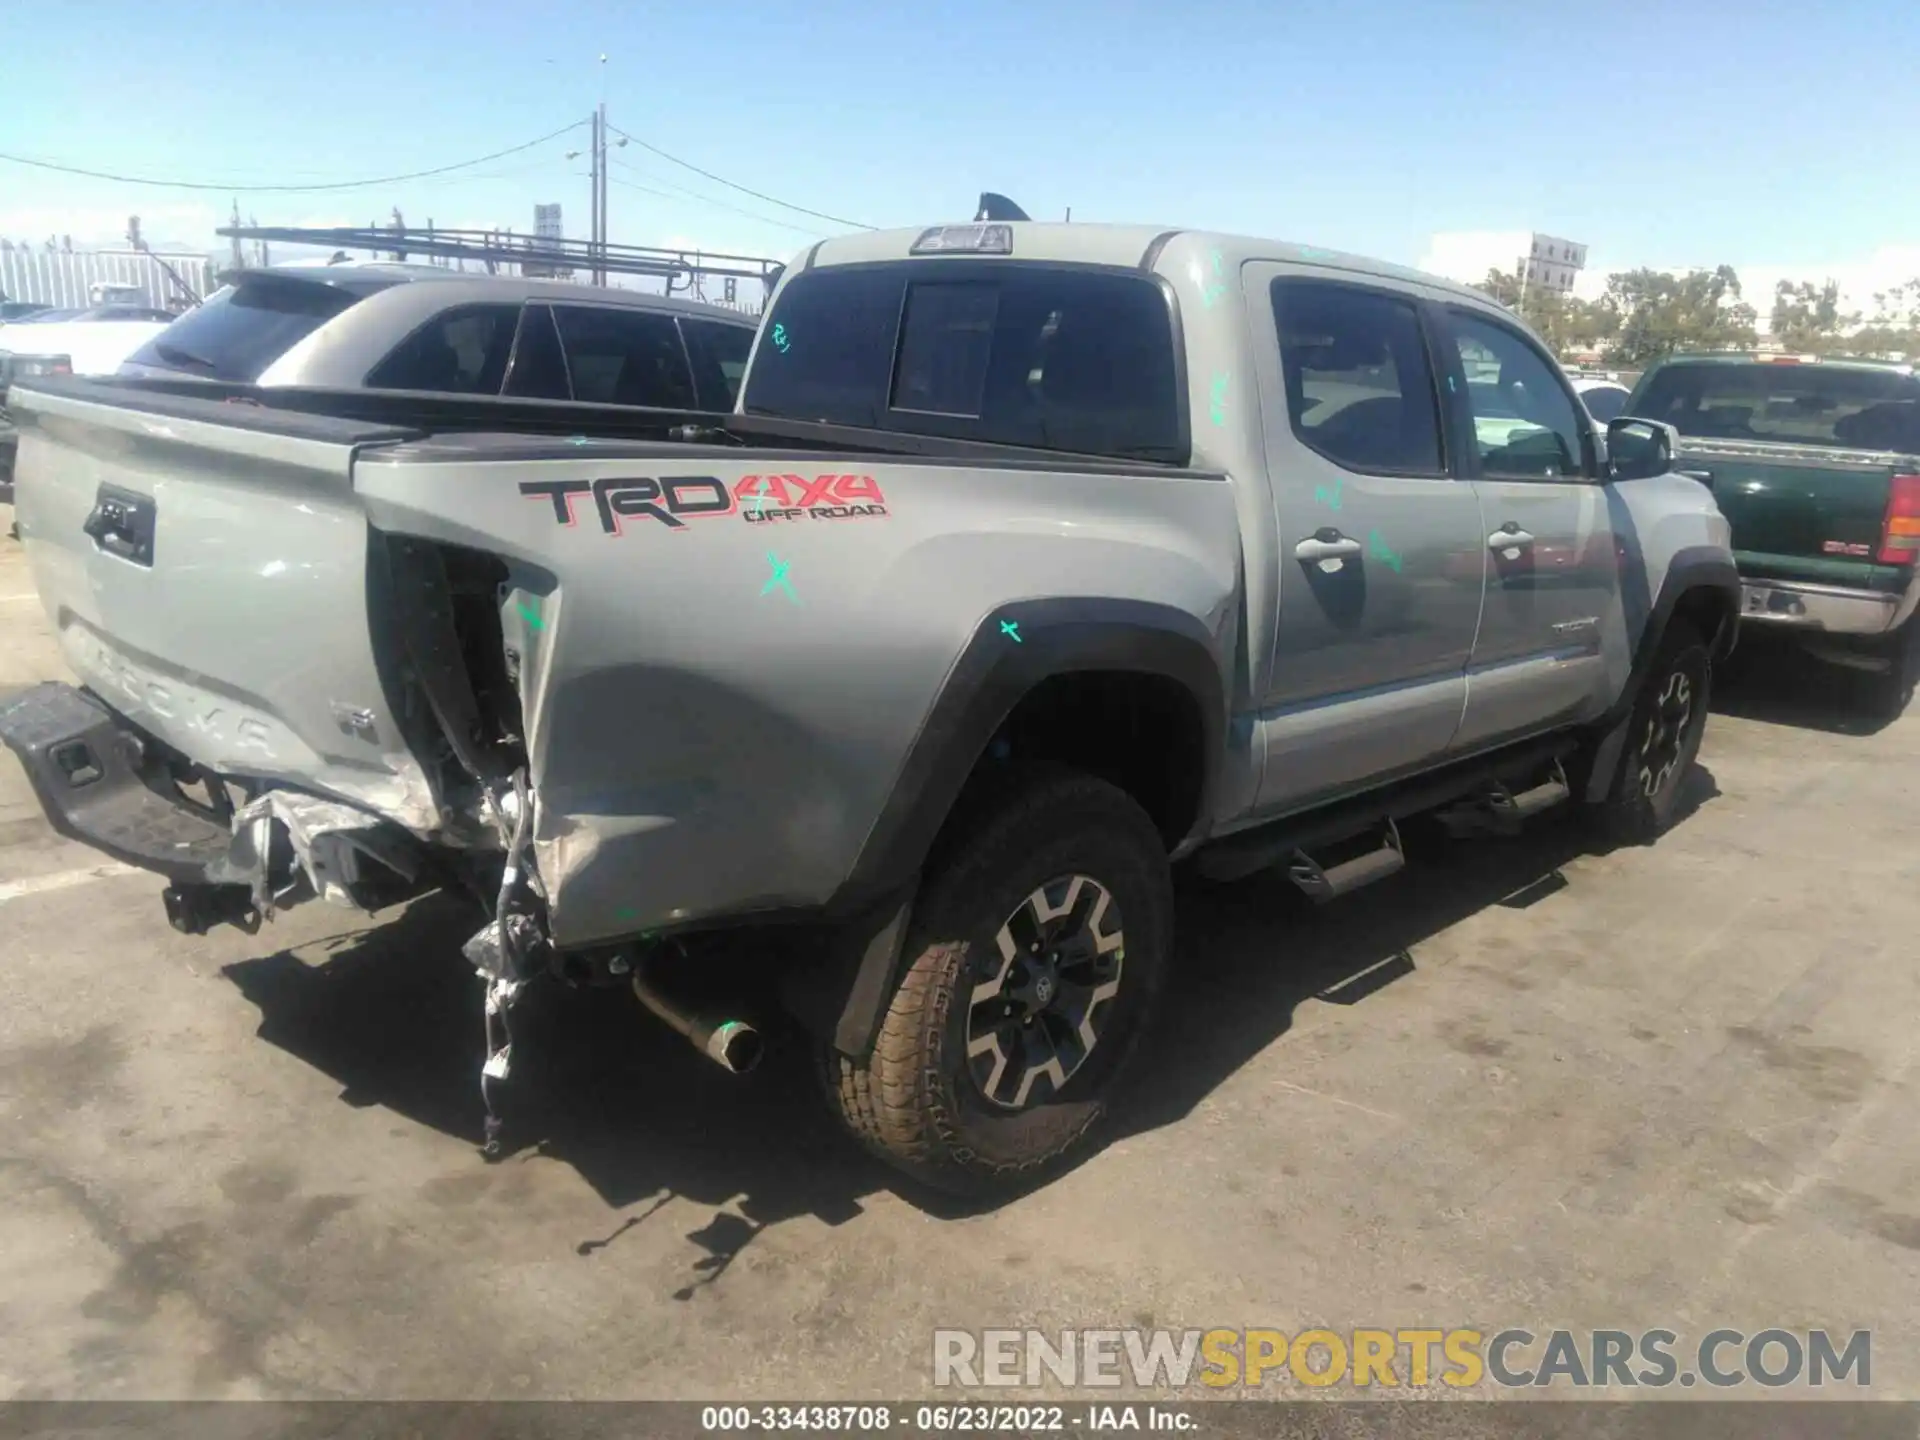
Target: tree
(1895,327)
(1661,313)
(1564,322)
(1807,318)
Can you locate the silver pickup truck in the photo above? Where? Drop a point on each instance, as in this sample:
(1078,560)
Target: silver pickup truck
(1034,559)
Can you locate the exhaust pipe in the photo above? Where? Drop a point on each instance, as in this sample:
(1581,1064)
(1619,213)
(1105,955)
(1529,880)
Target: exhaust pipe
(733,1045)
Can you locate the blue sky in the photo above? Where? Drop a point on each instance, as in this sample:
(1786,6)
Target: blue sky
(1675,133)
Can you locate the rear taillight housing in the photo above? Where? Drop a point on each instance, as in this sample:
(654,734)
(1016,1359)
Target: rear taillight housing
(1900,531)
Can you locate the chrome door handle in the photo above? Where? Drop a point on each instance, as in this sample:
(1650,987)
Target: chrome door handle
(1314,548)
(1508,537)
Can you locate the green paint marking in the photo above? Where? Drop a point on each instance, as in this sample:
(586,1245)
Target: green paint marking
(1330,498)
(1377,547)
(779,580)
(1217,401)
(531,617)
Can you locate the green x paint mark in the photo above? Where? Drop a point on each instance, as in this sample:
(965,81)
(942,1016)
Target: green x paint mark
(1217,400)
(1330,498)
(779,580)
(531,617)
(1011,627)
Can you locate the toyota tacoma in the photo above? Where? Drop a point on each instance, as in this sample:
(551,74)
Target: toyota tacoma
(1033,560)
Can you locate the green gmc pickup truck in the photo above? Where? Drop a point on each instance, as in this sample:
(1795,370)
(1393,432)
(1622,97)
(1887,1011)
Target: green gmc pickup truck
(1816,463)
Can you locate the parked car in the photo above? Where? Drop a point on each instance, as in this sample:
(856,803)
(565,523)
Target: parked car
(12,310)
(1816,463)
(77,342)
(418,327)
(1034,558)
(1605,399)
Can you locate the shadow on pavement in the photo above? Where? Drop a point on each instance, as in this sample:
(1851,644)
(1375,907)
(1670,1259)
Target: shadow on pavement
(1770,679)
(394,1015)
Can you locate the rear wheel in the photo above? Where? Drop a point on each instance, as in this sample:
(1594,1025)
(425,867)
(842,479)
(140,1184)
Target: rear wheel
(1664,732)
(1033,962)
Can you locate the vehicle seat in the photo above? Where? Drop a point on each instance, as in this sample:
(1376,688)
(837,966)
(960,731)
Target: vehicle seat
(1894,425)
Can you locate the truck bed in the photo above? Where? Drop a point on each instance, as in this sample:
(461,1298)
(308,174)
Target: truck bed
(711,659)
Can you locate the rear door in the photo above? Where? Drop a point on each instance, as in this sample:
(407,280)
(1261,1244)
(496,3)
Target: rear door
(1553,587)
(1380,544)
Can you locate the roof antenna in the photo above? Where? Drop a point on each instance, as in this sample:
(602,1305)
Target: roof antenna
(998,207)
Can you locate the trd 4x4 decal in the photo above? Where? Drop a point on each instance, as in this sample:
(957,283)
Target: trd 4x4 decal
(672,500)
(825,497)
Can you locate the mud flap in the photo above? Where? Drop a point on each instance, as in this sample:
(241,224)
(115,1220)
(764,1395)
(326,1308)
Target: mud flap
(841,996)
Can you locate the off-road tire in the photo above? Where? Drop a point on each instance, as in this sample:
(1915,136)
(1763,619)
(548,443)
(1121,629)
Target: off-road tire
(912,1101)
(1629,815)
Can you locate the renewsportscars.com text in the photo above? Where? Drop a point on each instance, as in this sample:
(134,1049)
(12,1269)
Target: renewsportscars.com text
(1377,1358)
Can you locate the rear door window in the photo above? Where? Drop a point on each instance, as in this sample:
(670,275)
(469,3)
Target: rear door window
(461,351)
(1046,357)
(1359,382)
(244,328)
(625,357)
(539,369)
(1787,404)
(719,355)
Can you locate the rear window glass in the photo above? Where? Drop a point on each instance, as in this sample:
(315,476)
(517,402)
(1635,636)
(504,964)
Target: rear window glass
(1787,404)
(719,353)
(1075,360)
(244,328)
(462,351)
(1605,402)
(625,357)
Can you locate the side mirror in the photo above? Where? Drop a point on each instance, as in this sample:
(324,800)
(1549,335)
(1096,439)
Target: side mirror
(1639,449)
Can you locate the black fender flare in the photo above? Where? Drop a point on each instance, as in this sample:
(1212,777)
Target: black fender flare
(1012,651)
(1692,570)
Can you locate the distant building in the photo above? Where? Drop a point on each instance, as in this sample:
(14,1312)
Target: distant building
(1467,256)
(546,226)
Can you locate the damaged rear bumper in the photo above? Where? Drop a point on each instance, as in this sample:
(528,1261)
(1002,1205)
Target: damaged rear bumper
(108,785)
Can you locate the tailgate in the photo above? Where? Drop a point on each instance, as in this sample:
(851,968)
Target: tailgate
(205,567)
(1797,512)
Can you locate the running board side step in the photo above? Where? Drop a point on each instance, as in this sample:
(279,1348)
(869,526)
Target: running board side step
(1501,811)
(1349,875)
(1248,852)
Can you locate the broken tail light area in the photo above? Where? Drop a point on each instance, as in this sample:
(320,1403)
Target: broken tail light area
(1900,530)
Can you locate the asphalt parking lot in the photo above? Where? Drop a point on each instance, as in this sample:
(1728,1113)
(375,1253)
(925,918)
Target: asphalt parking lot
(1522,1084)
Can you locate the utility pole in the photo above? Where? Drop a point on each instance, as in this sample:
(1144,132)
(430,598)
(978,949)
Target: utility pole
(239,260)
(600,193)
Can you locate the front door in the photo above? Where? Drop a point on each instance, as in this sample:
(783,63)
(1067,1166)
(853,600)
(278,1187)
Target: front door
(1552,612)
(1381,559)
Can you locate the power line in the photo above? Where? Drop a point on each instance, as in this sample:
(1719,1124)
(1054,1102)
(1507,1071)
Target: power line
(286,189)
(682,193)
(744,190)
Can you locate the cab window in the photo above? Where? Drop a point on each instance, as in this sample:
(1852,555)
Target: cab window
(1525,426)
